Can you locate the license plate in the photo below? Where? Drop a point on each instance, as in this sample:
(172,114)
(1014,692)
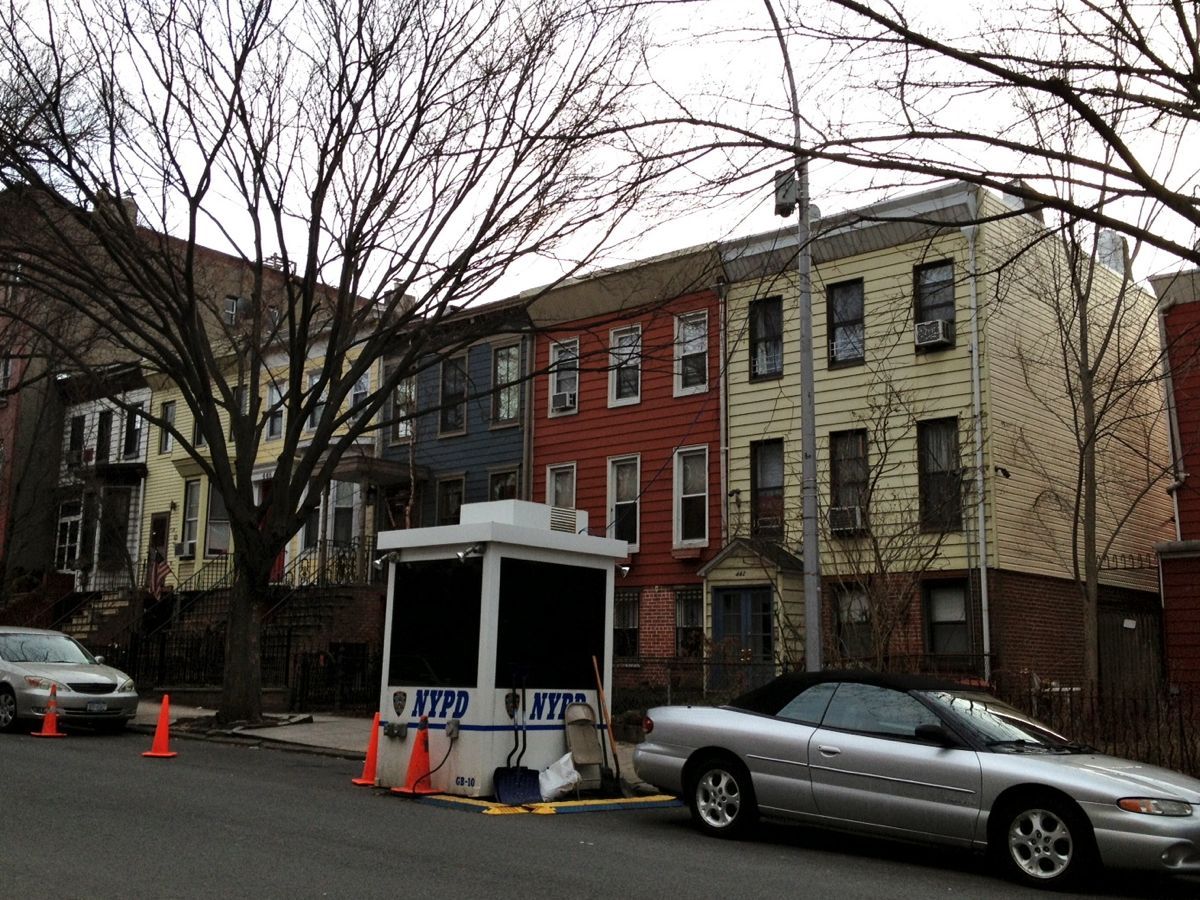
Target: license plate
(96,706)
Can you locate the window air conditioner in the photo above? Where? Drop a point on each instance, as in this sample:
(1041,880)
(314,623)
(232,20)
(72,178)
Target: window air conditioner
(934,333)
(562,401)
(845,519)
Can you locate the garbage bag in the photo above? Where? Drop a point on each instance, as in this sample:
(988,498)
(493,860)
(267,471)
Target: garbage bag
(558,778)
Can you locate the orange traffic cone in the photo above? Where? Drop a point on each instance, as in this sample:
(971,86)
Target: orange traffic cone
(50,720)
(368,773)
(418,765)
(162,732)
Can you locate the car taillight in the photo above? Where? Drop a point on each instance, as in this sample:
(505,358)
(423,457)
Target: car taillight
(647,724)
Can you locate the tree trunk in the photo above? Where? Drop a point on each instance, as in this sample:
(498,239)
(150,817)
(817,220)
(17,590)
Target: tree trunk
(241,692)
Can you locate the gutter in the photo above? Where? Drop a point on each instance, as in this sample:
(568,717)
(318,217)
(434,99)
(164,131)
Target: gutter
(970,232)
(1178,476)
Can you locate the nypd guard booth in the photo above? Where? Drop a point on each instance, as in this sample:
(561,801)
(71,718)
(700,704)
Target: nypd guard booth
(512,602)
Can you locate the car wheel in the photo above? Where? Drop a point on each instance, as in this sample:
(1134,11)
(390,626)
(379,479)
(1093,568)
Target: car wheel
(721,797)
(1043,841)
(8,709)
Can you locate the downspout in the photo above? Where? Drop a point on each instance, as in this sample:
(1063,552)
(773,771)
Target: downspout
(970,232)
(722,291)
(1178,477)
(528,348)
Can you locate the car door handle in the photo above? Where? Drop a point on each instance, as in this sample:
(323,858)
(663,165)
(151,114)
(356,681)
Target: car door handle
(826,750)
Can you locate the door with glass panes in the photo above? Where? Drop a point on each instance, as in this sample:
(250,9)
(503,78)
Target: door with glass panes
(743,637)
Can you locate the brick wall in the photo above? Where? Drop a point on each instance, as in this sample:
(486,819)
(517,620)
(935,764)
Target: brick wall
(1181,620)
(656,622)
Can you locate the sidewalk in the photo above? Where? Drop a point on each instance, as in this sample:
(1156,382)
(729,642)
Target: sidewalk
(321,733)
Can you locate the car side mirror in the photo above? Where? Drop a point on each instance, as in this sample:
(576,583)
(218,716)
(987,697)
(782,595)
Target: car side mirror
(937,734)
(99,660)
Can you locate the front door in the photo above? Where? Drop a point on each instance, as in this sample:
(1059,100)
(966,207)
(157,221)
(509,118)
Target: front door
(743,637)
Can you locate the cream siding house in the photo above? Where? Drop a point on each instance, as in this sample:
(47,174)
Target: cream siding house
(941,452)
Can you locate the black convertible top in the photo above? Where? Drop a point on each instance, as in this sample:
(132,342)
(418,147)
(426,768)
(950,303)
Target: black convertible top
(774,695)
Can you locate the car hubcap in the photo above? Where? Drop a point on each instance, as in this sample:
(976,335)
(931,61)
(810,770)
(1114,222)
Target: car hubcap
(718,798)
(8,708)
(1040,843)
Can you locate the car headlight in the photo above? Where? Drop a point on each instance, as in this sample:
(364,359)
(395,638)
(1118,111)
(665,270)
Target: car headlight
(126,687)
(1152,807)
(36,681)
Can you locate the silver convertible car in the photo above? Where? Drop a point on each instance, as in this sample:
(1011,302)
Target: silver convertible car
(88,692)
(926,760)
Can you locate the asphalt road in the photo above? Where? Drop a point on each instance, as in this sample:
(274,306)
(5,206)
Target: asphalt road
(88,817)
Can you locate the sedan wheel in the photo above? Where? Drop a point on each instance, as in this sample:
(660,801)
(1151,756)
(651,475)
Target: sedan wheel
(1046,843)
(8,709)
(722,798)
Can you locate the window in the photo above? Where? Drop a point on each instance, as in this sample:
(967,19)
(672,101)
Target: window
(502,485)
(343,512)
(623,499)
(274,412)
(625,621)
(766,489)
(66,548)
(933,290)
(766,337)
(689,621)
(75,440)
(5,374)
(233,310)
(216,534)
(198,438)
(132,445)
(946,618)
(362,387)
(316,399)
(853,622)
(939,476)
(809,705)
(691,353)
(876,710)
(449,501)
(506,384)
(625,366)
(564,377)
(404,401)
(560,485)
(104,436)
(691,497)
(847,334)
(453,418)
(166,441)
(848,479)
(191,517)
(312,528)
(241,406)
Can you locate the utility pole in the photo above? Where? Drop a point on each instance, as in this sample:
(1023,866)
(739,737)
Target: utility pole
(808,429)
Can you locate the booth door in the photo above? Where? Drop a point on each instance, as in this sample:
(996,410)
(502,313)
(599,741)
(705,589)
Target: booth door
(744,649)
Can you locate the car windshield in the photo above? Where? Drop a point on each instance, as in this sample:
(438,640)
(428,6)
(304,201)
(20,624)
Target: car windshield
(42,648)
(1000,727)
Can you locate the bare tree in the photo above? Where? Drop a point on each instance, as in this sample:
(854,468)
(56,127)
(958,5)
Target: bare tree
(368,171)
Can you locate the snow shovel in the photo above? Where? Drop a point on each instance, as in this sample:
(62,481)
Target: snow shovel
(516,785)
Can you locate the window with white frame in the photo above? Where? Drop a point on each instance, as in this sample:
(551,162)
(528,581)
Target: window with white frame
(166,440)
(624,490)
(316,399)
(502,485)
(216,532)
(560,485)
(132,444)
(362,387)
(691,497)
(453,416)
(564,376)
(506,386)
(449,500)
(691,353)
(625,366)
(66,549)
(234,307)
(274,412)
(191,516)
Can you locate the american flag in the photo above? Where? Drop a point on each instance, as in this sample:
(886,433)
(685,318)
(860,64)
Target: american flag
(159,569)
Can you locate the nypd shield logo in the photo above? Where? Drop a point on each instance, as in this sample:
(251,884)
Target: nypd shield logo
(399,699)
